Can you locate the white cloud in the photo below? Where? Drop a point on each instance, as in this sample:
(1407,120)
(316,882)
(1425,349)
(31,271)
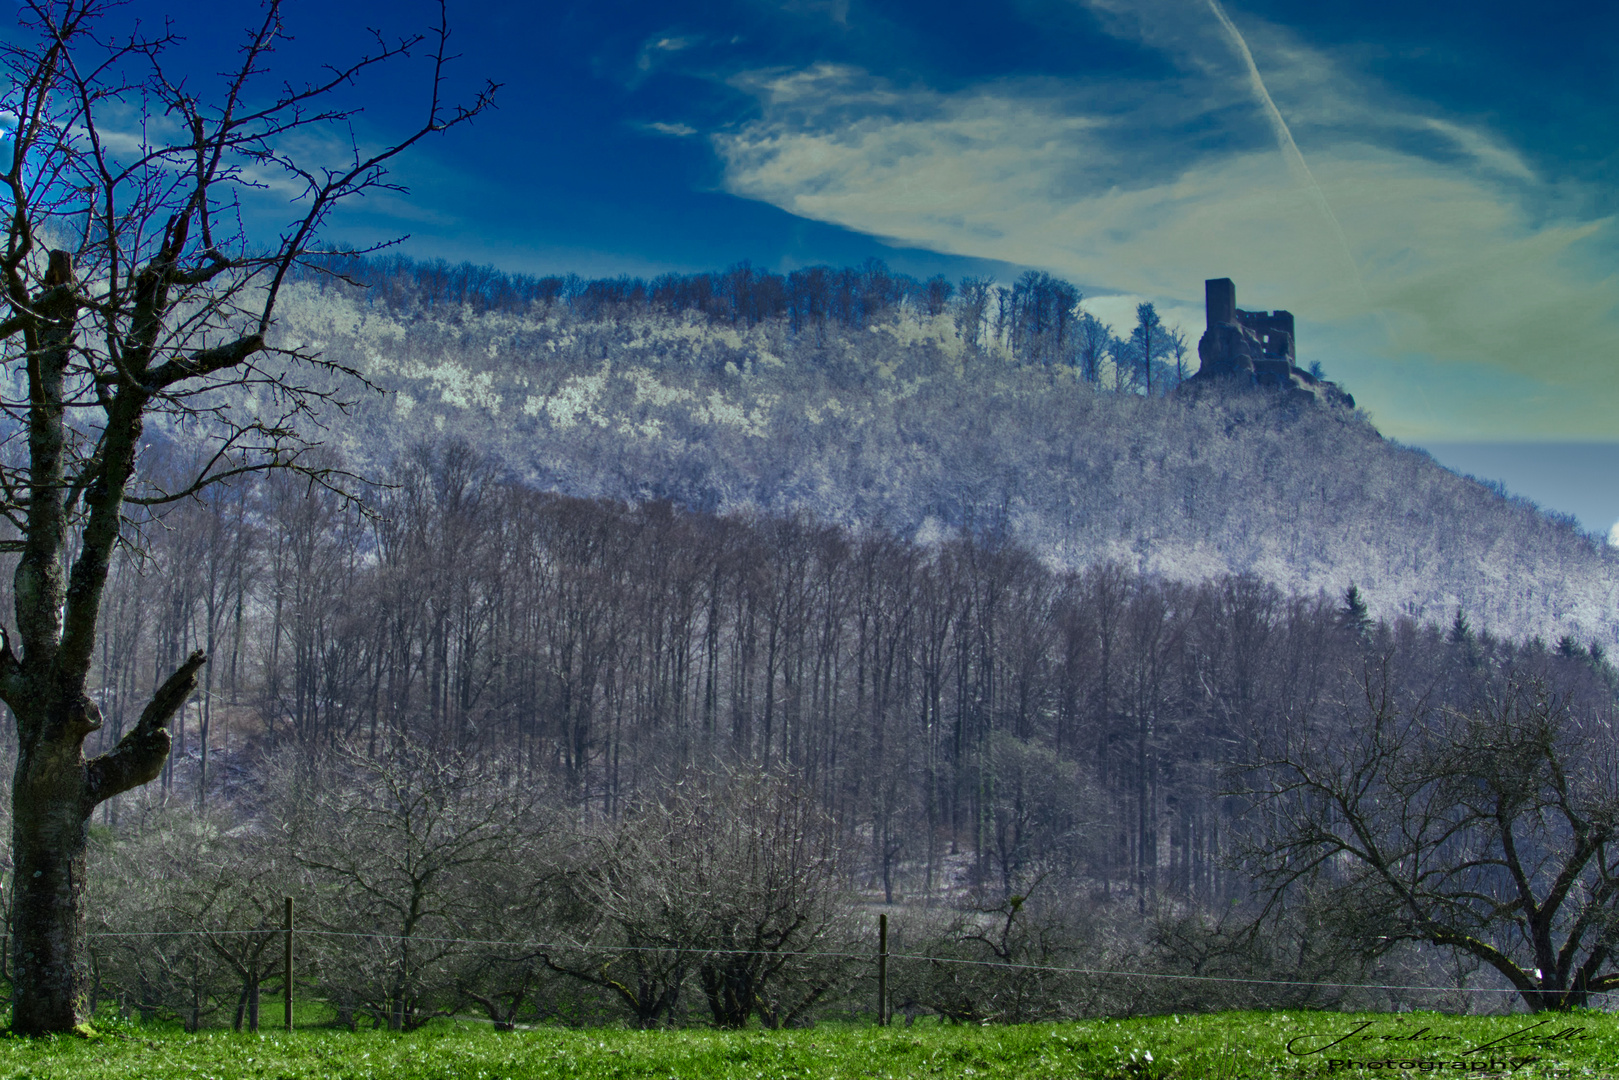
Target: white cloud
(1456,274)
(1485,151)
(664,44)
(679,131)
(1119,311)
(1613,534)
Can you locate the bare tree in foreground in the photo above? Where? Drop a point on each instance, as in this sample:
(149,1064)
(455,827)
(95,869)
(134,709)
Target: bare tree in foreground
(406,846)
(1491,832)
(731,877)
(132,293)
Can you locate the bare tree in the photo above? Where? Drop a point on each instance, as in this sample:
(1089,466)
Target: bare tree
(972,308)
(1093,337)
(629,919)
(192,920)
(1002,962)
(1147,342)
(732,877)
(134,296)
(1175,345)
(763,858)
(1491,832)
(401,844)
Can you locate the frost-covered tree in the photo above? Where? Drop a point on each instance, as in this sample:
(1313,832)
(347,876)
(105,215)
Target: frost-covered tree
(1149,342)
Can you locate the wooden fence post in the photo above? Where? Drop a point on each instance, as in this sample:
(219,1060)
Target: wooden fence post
(286,964)
(882,970)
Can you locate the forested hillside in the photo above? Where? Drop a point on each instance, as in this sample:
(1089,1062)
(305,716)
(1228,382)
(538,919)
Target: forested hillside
(919,601)
(864,398)
(540,718)
(602,643)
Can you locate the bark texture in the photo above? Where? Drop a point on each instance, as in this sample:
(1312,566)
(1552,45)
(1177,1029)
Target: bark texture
(55,791)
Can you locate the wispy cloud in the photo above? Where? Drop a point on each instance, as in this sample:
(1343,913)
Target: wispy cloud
(1263,159)
(678,131)
(661,45)
(1284,135)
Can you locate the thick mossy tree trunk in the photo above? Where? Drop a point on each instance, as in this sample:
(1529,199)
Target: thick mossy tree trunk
(54,794)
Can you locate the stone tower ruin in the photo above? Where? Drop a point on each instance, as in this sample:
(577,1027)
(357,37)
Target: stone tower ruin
(1255,348)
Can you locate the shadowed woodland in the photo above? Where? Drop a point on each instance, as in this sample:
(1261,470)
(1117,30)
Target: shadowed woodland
(484,714)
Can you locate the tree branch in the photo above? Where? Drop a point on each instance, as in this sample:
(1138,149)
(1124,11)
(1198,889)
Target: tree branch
(139,755)
(204,362)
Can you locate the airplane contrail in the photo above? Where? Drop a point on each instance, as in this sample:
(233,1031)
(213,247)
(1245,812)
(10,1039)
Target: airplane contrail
(1284,137)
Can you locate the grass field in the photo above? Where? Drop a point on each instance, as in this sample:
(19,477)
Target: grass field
(1216,1047)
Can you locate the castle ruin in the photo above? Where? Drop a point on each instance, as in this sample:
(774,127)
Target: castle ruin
(1255,348)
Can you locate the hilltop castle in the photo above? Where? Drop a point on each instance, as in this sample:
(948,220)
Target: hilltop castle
(1255,347)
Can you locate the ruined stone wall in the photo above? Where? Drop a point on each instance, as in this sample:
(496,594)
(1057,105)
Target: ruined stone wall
(1274,329)
(1255,348)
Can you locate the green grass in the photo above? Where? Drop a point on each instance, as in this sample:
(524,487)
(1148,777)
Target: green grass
(1219,1047)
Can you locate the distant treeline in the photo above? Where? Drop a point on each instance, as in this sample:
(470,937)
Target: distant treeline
(959,707)
(848,296)
(1038,318)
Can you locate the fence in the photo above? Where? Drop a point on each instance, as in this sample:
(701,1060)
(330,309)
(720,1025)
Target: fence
(143,971)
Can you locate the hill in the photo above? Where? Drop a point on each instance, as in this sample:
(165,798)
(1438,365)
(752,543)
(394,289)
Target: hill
(928,423)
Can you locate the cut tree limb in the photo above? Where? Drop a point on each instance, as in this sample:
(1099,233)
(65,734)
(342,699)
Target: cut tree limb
(139,755)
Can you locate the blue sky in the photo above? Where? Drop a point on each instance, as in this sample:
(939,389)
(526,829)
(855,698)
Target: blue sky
(1429,188)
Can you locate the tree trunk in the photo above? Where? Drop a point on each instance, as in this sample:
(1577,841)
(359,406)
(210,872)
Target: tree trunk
(54,792)
(50,832)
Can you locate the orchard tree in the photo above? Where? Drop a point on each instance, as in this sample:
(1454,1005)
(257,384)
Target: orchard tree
(134,296)
(1492,832)
(396,840)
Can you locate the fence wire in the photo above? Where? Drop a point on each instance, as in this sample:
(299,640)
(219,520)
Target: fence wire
(538,947)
